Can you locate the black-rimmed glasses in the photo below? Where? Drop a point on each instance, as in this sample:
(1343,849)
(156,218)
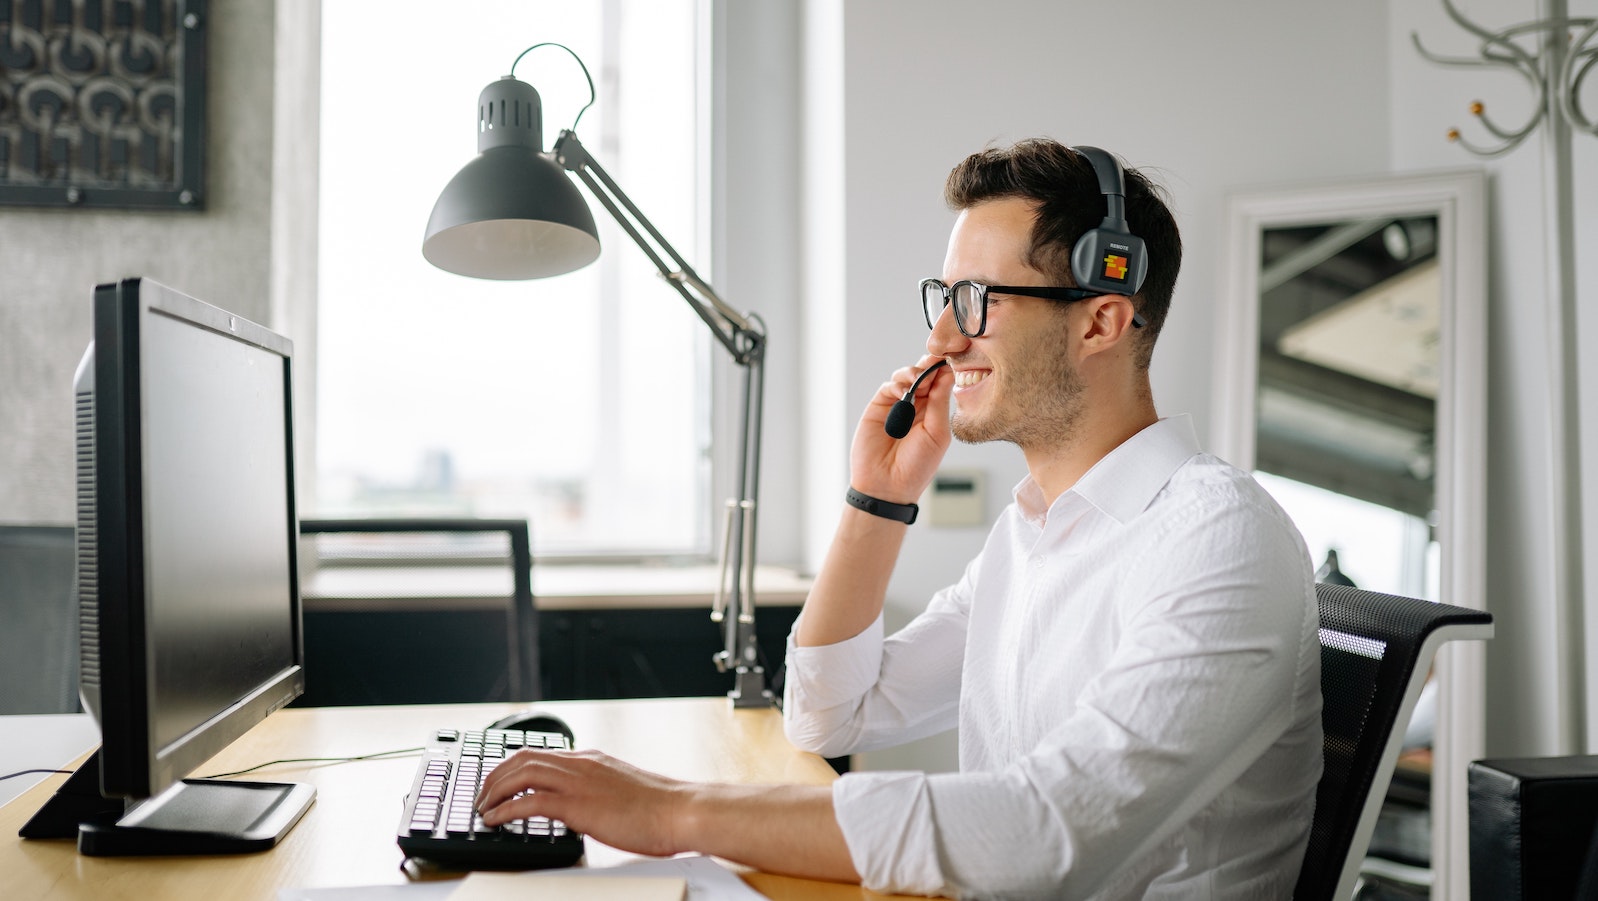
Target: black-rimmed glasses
(970,301)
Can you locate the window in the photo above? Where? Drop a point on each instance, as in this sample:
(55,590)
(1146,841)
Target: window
(579,402)
(1378,548)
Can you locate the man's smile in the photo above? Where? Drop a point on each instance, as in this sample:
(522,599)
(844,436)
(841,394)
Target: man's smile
(966,378)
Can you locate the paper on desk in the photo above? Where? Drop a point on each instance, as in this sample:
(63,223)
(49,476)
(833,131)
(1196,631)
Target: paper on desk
(413,891)
(706,881)
(503,886)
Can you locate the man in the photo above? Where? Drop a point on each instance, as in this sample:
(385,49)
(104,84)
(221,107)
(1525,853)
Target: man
(1131,660)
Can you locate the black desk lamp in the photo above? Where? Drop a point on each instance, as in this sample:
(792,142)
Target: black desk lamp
(512,213)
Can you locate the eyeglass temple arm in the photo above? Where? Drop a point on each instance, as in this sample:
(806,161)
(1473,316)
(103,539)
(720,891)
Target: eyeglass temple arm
(744,337)
(1068,294)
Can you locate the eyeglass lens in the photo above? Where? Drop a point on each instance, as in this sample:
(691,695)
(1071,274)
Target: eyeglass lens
(967,300)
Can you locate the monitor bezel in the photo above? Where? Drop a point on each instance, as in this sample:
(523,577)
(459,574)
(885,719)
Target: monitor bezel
(131,764)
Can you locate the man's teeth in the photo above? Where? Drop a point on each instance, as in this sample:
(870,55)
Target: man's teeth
(965,378)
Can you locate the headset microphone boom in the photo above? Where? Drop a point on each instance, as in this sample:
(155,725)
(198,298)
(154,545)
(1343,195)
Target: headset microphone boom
(897,425)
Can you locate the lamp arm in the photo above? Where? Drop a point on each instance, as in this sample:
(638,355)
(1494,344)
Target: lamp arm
(744,337)
(732,329)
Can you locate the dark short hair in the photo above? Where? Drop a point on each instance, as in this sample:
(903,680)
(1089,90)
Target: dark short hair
(1064,188)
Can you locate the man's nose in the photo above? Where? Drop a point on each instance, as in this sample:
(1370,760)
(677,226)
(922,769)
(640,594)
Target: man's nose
(946,337)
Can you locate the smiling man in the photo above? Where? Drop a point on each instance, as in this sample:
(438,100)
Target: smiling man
(1131,658)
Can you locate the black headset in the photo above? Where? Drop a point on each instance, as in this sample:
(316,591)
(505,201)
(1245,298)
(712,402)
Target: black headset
(1109,259)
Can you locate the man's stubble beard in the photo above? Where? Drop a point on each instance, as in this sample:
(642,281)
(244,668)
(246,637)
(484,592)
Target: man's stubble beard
(1044,415)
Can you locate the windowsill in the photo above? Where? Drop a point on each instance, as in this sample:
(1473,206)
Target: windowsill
(586,587)
(555,587)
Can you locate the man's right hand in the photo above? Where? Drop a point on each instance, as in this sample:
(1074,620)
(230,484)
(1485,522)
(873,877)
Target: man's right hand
(853,580)
(897,470)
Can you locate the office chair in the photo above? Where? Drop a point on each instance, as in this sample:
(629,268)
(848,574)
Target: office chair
(418,611)
(1376,650)
(39,607)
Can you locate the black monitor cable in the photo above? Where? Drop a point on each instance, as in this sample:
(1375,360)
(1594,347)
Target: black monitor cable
(31,772)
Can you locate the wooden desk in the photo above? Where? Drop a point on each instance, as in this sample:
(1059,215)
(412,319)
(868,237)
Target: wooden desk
(347,837)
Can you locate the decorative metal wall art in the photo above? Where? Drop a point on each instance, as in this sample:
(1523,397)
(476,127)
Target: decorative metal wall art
(102,103)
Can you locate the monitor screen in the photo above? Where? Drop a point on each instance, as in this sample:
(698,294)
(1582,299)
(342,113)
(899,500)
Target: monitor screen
(189,606)
(219,524)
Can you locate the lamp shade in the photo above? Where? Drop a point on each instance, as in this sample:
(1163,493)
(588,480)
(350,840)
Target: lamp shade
(511,213)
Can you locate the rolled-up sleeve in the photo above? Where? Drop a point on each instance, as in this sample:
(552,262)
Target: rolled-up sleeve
(871,691)
(823,686)
(872,806)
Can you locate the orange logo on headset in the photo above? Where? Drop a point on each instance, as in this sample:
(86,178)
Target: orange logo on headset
(1115,267)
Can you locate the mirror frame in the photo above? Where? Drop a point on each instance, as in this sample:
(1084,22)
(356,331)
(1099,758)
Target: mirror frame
(1458,198)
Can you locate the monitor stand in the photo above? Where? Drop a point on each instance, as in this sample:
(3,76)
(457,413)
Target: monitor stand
(196,816)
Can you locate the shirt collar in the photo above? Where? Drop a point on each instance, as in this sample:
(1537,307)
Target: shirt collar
(1126,479)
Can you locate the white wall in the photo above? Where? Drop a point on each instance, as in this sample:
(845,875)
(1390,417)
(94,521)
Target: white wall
(1213,97)
(755,193)
(1536,702)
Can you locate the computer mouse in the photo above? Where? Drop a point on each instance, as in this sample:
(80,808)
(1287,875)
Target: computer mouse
(534,721)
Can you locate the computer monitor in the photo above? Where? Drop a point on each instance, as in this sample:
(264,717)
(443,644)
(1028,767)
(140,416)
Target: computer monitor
(189,606)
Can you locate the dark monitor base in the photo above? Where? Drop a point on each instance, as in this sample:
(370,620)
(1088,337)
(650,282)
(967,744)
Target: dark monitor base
(77,800)
(202,816)
(197,816)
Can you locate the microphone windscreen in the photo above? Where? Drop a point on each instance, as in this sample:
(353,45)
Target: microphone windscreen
(897,425)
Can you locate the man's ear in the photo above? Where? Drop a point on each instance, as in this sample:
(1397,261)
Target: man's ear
(1109,321)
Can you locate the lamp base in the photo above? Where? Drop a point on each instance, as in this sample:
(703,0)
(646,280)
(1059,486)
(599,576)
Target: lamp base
(749,688)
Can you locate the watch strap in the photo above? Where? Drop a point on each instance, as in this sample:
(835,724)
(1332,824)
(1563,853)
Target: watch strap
(905,513)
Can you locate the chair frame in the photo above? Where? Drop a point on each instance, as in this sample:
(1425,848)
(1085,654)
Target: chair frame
(522,637)
(1402,635)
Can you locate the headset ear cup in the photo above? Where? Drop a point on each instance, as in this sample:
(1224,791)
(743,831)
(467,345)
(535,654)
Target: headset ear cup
(1110,262)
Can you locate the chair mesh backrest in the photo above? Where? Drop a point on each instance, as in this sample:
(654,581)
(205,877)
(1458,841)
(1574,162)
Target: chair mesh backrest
(39,609)
(426,556)
(1370,647)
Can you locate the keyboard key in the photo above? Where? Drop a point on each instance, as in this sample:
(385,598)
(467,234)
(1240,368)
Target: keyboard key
(440,821)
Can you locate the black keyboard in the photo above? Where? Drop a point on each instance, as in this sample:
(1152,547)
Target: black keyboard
(440,825)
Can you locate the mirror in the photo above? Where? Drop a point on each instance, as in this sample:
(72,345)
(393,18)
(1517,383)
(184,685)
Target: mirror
(1352,381)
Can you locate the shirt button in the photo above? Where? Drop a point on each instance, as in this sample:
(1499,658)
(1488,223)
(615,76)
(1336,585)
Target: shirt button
(1037,562)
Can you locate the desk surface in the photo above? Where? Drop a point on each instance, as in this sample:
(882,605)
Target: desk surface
(347,837)
(38,741)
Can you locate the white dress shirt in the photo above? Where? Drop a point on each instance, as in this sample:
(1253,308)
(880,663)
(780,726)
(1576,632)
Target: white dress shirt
(1135,676)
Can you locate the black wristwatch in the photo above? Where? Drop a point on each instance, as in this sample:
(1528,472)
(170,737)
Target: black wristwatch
(905,513)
